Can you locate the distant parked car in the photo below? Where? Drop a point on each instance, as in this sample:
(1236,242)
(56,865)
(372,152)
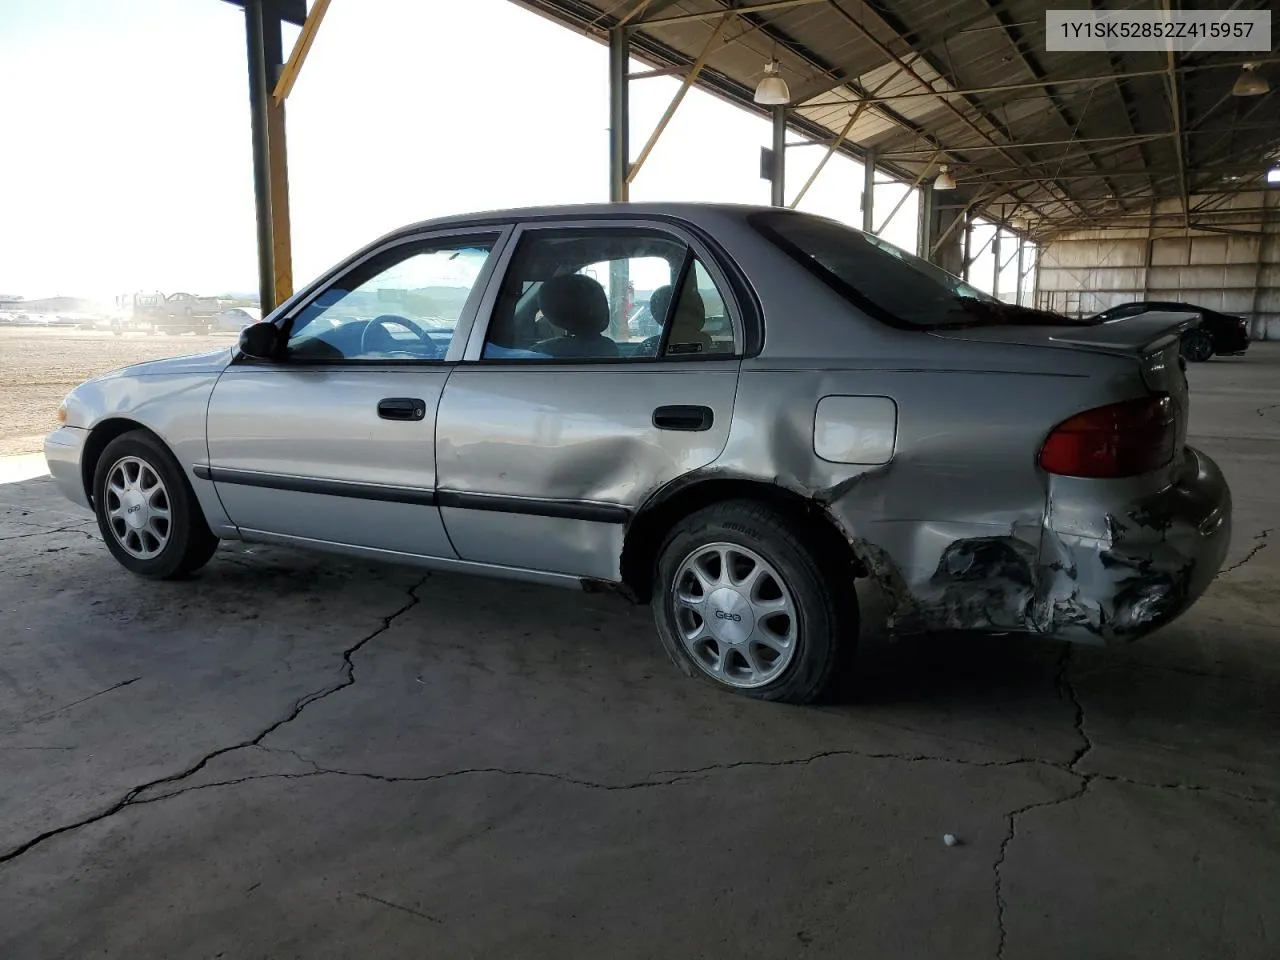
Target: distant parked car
(235,319)
(1219,333)
(819,407)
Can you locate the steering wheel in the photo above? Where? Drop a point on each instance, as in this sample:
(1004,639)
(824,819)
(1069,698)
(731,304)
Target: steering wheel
(384,322)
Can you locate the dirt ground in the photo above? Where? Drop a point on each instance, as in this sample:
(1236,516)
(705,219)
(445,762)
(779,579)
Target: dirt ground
(39,367)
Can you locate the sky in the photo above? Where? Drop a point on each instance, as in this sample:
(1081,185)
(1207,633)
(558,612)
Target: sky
(128,161)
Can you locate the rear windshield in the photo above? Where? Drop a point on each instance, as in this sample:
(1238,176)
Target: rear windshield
(890,284)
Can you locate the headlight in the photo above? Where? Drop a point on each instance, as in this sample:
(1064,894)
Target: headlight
(61,415)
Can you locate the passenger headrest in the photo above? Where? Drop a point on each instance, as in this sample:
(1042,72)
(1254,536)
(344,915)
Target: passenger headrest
(659,301)
(576,304)
(691,312)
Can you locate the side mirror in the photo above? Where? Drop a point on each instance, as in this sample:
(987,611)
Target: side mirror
(260,341)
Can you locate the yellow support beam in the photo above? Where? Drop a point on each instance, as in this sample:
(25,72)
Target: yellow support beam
(688,82)
(289,74)
(835,144)
(281,234)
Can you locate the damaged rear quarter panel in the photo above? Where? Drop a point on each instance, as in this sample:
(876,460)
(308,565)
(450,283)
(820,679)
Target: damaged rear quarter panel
(951,527)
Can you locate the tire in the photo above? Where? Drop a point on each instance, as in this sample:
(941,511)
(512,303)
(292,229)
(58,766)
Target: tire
(754,661)
(1197,346)
(159,550)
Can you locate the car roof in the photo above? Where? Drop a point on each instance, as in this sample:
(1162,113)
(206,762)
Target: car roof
(696,213)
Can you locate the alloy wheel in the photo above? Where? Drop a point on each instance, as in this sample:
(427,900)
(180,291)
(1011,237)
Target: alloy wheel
(735,615)
(138,508)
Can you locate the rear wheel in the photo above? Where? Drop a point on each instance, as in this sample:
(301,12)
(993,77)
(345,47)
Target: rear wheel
(146,510)
(1197,346)
(743,603)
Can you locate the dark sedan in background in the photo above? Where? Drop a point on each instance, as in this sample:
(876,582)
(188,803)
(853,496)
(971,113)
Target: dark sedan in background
(1218,333)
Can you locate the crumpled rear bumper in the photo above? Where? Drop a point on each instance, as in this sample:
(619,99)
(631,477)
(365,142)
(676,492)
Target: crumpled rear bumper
(1158,555)
(1110,561)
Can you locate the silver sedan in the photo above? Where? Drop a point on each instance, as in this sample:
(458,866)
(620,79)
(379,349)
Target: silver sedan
(469,395)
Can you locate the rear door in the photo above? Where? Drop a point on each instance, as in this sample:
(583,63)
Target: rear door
(335,442)
(562,419)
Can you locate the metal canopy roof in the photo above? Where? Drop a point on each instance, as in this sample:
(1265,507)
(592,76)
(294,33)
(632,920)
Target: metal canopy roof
(1044,140)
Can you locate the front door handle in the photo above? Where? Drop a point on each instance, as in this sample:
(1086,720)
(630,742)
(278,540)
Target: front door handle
(402,408)
(683,417)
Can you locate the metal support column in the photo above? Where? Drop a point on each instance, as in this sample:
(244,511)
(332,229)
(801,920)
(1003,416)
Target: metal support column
(268,88)
(868,190)
(260,84)
(619,169)
(278,166)
(270,160)
(968,244)
(995,269)
(924,241)
(1022,249)
(778,186)
(619,115)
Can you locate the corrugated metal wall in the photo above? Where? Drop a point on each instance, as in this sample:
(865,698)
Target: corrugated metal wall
(1230,261)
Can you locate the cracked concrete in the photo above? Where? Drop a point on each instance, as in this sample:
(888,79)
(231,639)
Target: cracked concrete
(1259,542)
(294,755)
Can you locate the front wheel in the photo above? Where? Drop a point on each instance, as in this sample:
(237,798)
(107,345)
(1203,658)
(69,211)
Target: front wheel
(1197,346)
(147,511)
(743,603)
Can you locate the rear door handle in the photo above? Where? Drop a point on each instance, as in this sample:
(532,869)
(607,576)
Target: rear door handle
(402,408)
(683,417)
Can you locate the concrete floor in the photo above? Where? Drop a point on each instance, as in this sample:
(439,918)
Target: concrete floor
(297,756)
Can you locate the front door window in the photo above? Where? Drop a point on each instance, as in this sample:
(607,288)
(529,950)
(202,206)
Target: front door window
(400,305)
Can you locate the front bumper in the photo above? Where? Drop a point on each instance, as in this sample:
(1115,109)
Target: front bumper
(62,450)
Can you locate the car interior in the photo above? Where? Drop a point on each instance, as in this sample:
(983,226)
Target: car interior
(552,308)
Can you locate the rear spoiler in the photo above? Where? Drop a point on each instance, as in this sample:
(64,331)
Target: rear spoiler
(1145,332)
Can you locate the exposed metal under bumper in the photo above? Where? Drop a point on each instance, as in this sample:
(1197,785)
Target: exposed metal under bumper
(1158,556)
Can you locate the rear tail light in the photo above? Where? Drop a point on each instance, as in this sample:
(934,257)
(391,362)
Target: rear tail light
(1119,440)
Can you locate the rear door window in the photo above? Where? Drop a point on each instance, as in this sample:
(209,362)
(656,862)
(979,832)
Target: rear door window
(606,294)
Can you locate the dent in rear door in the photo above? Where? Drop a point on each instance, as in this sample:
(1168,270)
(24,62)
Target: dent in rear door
(540,464)
(542,467)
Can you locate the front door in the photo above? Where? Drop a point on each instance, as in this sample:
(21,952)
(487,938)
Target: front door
(335,443)
(569,410)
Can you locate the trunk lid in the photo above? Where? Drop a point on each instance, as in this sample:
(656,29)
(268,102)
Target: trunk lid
(1151,338)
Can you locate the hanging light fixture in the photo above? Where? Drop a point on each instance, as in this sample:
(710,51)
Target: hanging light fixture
(945,181)
(1249,83)
(772,89)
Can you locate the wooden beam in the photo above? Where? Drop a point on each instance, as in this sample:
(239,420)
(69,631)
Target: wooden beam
(301,47)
